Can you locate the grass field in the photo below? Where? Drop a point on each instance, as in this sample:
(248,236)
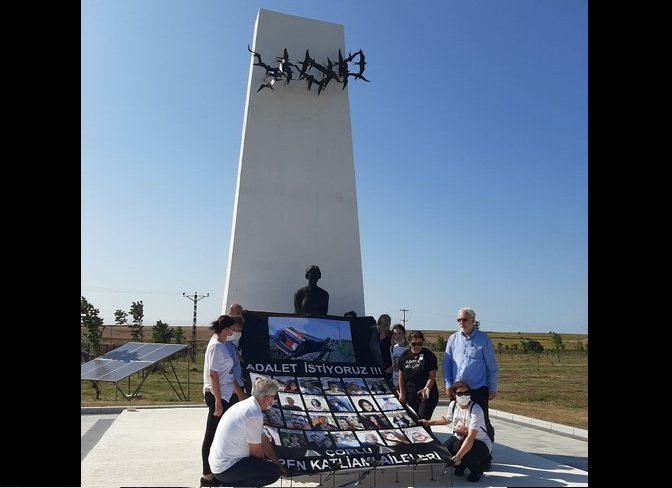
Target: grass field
(544,386)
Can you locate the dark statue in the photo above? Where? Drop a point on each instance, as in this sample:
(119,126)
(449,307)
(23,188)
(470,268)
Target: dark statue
(339,71)
(311,298)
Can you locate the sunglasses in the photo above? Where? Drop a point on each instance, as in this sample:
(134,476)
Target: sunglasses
(462,393)
(416,343)
(464,319)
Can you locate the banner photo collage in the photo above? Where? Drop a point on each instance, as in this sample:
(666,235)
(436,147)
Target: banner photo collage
(334,409)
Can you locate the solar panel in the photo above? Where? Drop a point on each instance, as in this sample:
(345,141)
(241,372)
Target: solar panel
(126,360)
(110,370)
(140,351)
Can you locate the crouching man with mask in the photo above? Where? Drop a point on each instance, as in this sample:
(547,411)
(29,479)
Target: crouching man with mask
(469,443)
(240,454)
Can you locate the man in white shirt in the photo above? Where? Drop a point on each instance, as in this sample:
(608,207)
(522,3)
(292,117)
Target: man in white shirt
(240,454)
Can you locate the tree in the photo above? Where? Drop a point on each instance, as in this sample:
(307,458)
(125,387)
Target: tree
(532,346)
(137,314)
(161,332)
(557,341)
(440,344)
(178,335)
(500,347)
(120,317)
(94,324)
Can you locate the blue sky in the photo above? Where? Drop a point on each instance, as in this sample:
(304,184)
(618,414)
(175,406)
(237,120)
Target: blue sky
(470,148)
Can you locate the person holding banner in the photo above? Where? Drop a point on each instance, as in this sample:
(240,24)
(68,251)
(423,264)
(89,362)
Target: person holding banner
(399,347)
(469,443)
(241,455)
(417,377)
(231,345)
(385,341)
(218,387)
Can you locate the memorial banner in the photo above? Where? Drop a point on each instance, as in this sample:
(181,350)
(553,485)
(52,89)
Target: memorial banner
(334,410)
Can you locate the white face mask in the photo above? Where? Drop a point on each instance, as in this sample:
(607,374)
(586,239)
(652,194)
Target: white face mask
(463,400)
(235,337)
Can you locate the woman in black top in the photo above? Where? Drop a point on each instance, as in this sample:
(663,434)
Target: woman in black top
(417,377)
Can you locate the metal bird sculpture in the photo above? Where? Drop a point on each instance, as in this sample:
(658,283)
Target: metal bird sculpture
(340,71)
(266,84)
(343,69)
(275,73)
(361,62)
(305,65)
(310,79)
(357,76)
(285,67)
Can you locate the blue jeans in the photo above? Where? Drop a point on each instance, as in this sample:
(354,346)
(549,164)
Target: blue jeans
(250,471)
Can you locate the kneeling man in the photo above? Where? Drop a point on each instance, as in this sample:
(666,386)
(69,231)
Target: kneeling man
(240,454)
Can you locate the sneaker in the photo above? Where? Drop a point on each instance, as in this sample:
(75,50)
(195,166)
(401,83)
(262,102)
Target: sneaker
(474,476)
(459,470)
(212,482)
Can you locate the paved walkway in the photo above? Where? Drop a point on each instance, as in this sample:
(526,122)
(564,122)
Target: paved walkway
(161,447)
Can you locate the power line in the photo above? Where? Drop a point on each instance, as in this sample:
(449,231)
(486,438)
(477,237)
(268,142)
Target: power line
(192,353)
(404,310)
(194,299)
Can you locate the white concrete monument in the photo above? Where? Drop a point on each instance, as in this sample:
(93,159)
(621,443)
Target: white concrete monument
(296,202)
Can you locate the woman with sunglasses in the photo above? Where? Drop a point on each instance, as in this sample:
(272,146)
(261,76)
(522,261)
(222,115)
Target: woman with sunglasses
(417,377)
(469,443)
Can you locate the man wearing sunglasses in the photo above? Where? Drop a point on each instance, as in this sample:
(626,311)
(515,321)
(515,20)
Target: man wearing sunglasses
(470,357)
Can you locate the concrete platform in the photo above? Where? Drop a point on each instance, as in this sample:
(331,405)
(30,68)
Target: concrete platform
(161,447)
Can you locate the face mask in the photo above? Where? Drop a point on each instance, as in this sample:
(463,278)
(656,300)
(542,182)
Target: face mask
(463,400)
(235,337)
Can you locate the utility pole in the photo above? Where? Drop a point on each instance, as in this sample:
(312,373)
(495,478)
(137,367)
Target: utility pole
(194,299)
(403,310)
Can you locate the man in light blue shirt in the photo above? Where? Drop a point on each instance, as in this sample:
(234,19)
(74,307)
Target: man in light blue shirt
(470,357)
